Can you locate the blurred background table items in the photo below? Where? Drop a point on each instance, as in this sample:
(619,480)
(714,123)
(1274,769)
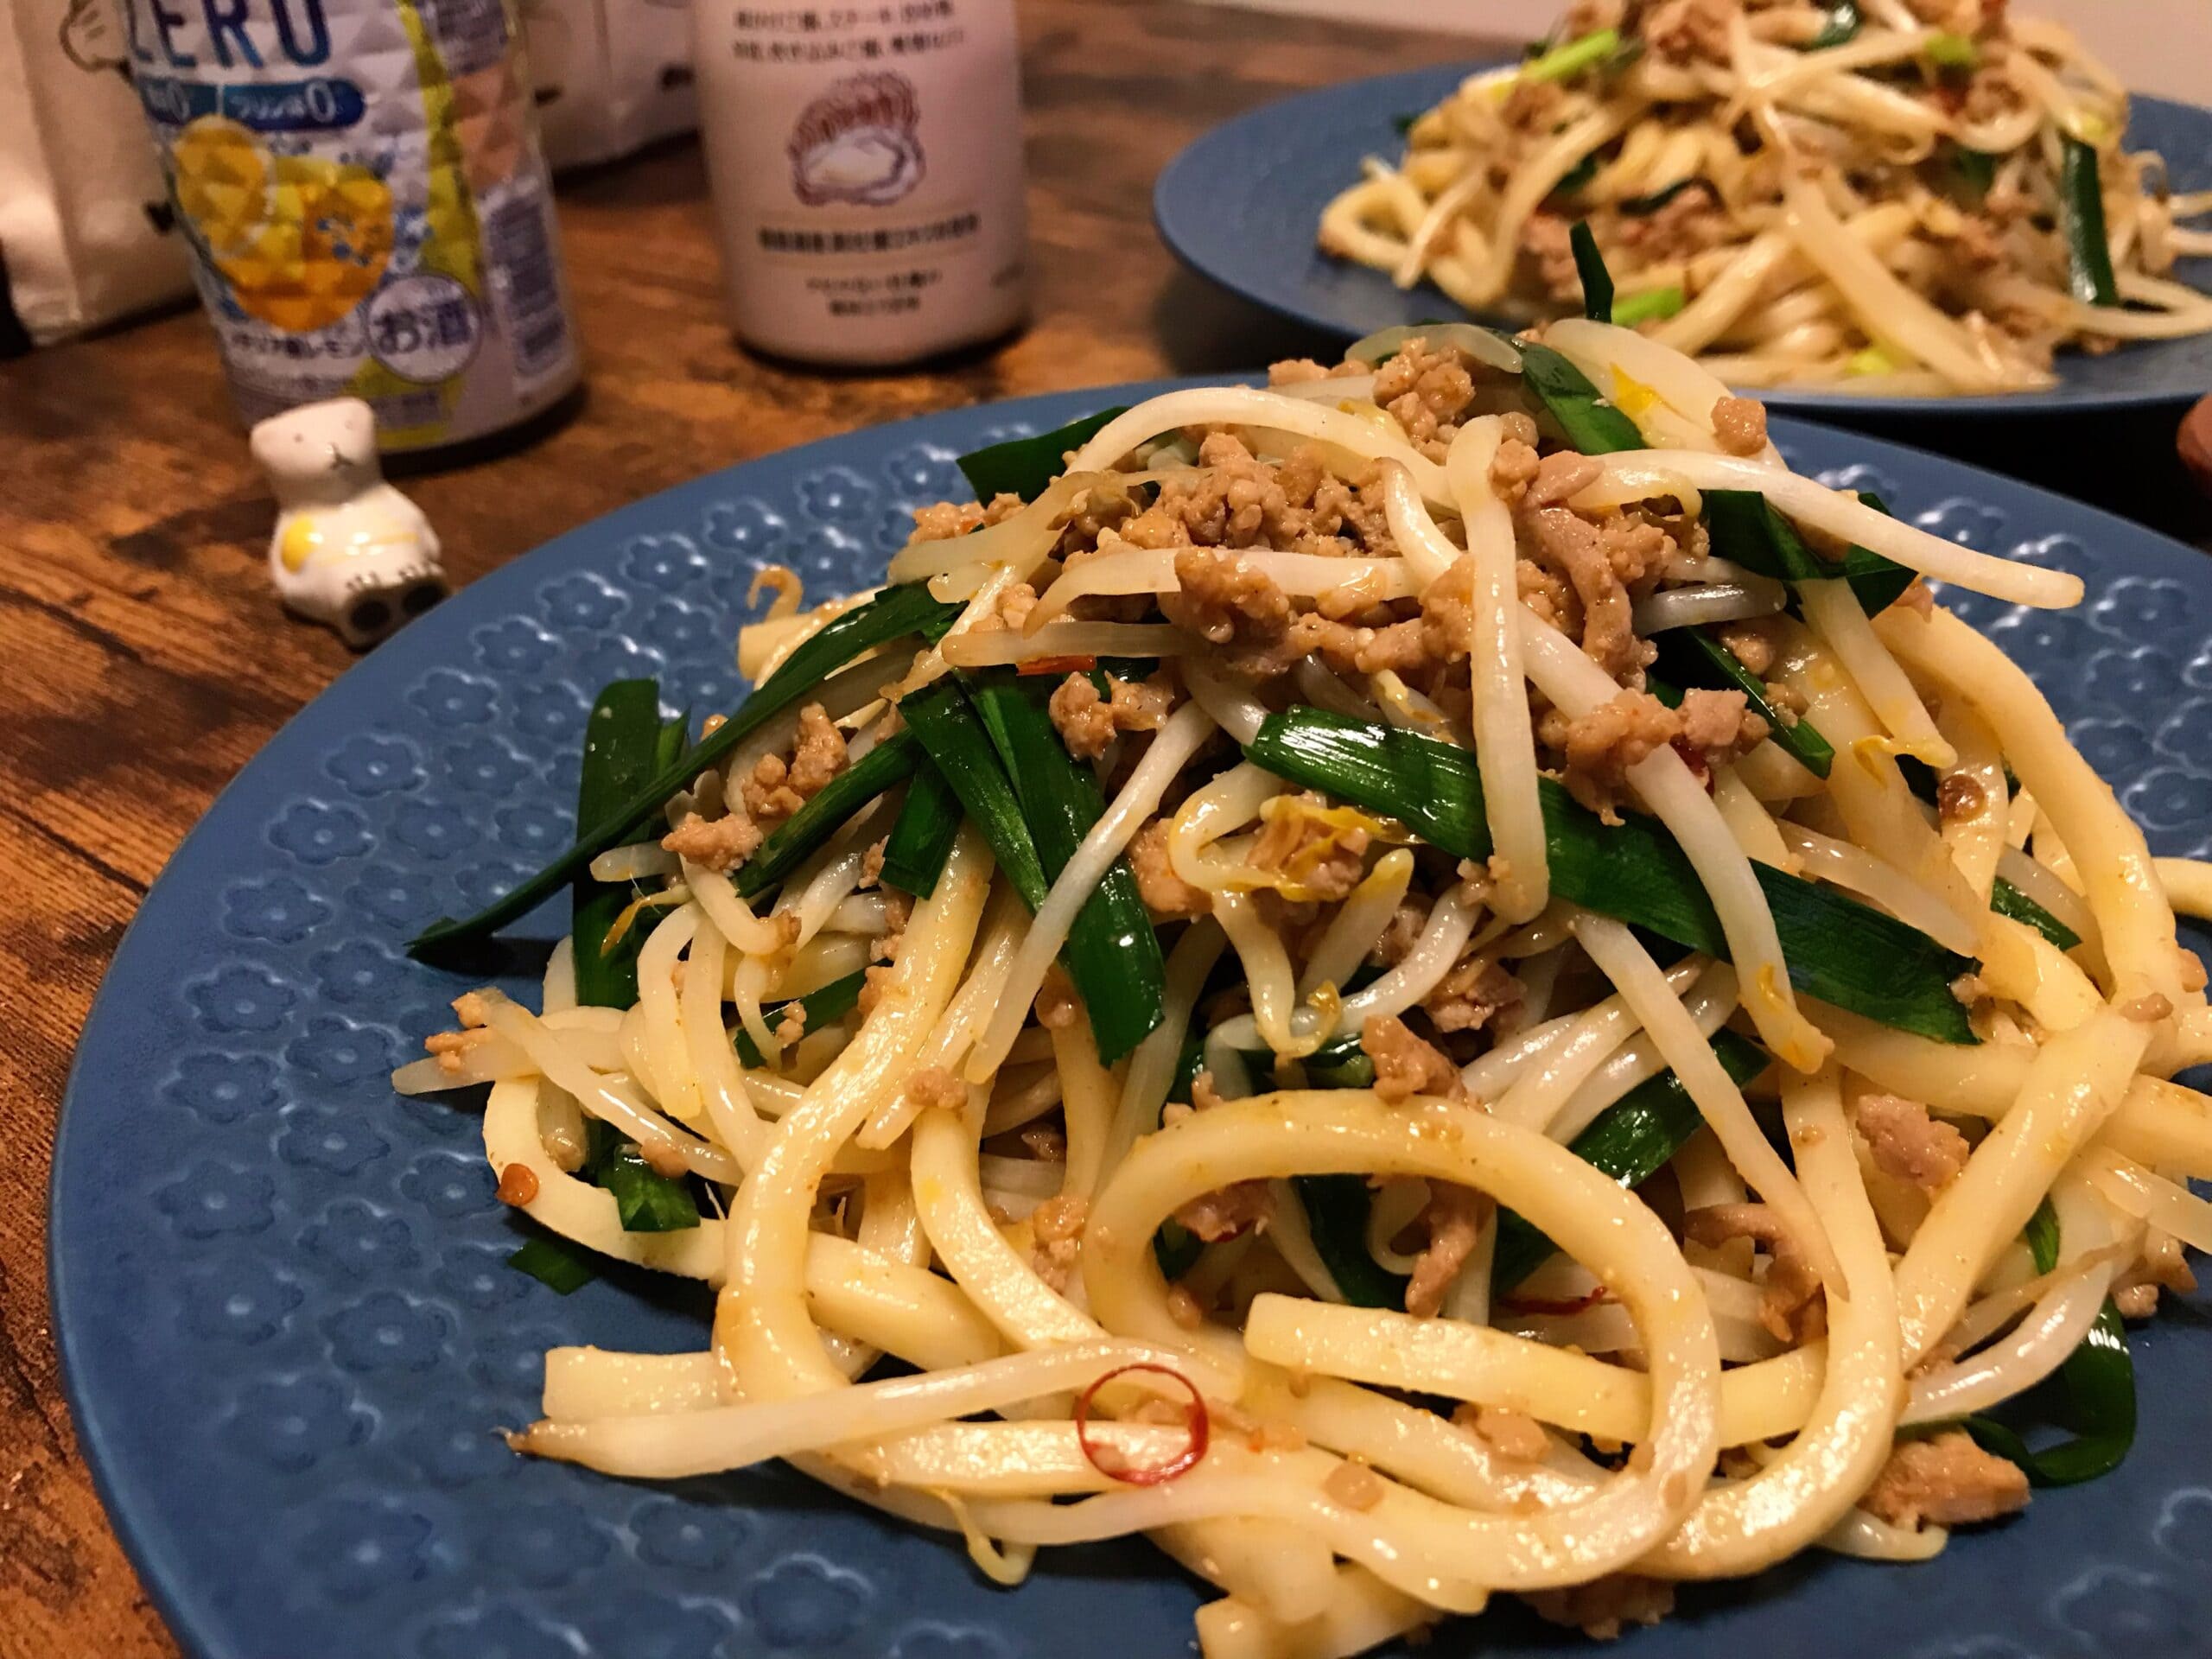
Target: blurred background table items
(88,235)
(610,76)
(2156,46)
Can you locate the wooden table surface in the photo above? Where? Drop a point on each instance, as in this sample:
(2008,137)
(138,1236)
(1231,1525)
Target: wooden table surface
(147,660)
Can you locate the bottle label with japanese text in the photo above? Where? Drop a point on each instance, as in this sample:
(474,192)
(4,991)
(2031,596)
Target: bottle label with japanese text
(369,215)
(867,164)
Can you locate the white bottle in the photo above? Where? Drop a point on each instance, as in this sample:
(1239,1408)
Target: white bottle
(866,161)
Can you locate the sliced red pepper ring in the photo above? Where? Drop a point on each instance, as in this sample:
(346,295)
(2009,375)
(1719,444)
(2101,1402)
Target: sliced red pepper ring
(1196,1420)
(1057,666)
(1555,1305)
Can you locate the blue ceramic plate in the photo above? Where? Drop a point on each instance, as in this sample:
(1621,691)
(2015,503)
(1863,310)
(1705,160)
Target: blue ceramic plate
(1241,206)
(281,1293)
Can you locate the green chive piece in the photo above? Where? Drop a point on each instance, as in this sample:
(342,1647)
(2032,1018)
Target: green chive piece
(2098,1383)
(1644,206)
(1176,1248)
(941,716)
(2008,900)
(1747,528)
(1694,657)
(1583,53)
(1336,1215)
(831,1001)
(1590,424)
(1649,305)
(1577,178)
(2082,196)
(1840,28)
(555,1263)
(1173,1245)
(2041,1235)
(922,835)
(1340,1066)
(1630,1141)
(1034,813)
(1977,170)
(889,764)
(647,1200)
(1837,949)
(1112,952)
(622,740)
(1590,266)
(1024,466)
(890,614)
(1948,51)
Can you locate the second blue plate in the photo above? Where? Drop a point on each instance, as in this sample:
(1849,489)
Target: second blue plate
(1242,203)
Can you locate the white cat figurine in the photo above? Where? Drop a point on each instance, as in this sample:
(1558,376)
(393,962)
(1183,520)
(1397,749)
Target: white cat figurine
(349,549)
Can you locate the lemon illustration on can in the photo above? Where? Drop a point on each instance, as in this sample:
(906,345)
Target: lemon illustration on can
(302,239)
(222,182)
(367,213)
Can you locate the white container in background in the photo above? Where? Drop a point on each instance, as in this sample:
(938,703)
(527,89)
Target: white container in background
(86,235)
(610,76)
(866,162)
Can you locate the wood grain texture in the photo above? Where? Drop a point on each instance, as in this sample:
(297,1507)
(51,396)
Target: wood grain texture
(145,657)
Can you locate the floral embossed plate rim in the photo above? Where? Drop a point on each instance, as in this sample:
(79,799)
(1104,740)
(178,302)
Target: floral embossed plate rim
(1241,203)
(285,1321)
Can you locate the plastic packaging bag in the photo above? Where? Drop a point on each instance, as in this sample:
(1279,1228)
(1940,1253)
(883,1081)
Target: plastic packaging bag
(85,229)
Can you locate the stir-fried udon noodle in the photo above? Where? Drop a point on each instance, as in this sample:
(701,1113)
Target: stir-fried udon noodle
(1916,196)
(1406,1010)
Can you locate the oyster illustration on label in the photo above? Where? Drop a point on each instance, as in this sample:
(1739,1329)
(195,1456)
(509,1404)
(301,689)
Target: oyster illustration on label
(857,143)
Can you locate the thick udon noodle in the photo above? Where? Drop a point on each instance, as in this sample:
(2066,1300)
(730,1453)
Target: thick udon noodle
(861,1224)
(1836,240)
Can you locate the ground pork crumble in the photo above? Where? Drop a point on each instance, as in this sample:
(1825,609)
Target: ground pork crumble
(1513,1434)
(1165,895)
(1087,721)
(1228,1211)
(1908,1144)
(1605,1607)
(1944,1480)
(1452,1219)
(1592,753)
(1057,1227)
(721,844)
(1791,1308)
(778,786)
(1236,500)
(1476,992)
(1404,1064)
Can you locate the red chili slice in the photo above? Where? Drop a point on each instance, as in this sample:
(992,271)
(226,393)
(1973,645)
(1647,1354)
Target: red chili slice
(1195,1420)
(1057,666)
(1694,758)
(1555,1305)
